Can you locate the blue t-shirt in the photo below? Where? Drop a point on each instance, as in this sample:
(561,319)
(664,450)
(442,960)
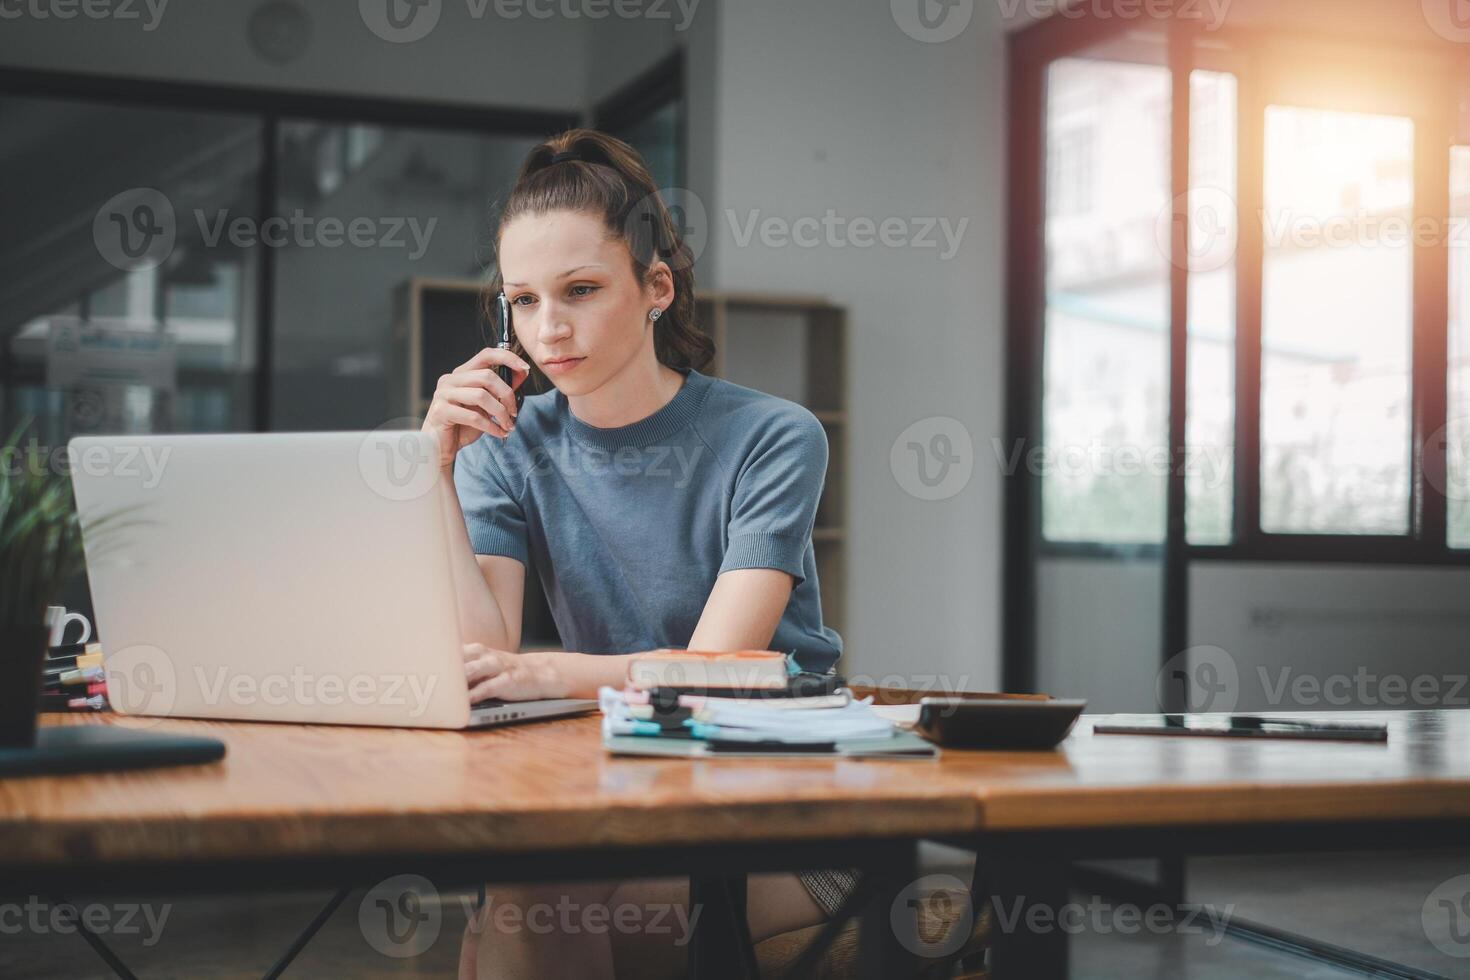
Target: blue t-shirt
(628,527)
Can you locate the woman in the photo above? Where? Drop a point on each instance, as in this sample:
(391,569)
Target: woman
(663,507)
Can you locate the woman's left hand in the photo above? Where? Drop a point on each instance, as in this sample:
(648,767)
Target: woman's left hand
(510,676)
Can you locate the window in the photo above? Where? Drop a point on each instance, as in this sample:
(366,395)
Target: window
(1105,351)
(379,193)
(1335,416)
(1457,432)
(422,200)
(102,338)
(1213,236)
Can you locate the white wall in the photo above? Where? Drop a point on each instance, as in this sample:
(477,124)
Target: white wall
(1347,629)
(831,105)
(521,62)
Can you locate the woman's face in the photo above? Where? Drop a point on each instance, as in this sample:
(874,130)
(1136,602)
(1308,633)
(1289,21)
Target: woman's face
(578,310)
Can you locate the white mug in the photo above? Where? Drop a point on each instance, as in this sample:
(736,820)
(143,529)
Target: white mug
(58,619)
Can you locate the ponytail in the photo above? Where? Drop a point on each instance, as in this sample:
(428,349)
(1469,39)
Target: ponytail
(589,171)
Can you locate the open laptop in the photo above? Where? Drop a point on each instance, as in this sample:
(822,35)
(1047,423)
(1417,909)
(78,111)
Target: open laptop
(296,577)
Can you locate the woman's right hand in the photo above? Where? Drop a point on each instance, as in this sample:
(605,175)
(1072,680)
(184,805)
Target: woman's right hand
(472,400)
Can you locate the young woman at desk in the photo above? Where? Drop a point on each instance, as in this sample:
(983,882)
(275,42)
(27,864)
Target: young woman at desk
(663,507)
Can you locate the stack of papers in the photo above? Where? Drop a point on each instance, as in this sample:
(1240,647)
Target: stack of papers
(723,726)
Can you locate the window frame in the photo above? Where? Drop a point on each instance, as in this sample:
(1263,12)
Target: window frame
(1251,55)
(1264,77)
(270,107)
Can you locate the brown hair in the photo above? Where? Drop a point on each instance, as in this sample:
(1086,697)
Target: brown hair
(607,178)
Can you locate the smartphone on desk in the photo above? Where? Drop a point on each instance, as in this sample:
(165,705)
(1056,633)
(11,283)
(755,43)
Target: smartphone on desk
(1243,726)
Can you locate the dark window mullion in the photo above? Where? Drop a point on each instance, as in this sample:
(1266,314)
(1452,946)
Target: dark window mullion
(1249,265)
(1430,345)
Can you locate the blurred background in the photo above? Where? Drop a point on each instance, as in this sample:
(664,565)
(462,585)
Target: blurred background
(1140,330)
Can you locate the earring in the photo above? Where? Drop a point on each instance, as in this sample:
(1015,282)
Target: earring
(655,313)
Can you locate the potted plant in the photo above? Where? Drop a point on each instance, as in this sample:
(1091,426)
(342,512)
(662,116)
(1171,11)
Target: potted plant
(40,551)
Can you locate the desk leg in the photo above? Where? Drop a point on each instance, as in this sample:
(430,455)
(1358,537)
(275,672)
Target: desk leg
(720,947)
(888,942)
(1029,941)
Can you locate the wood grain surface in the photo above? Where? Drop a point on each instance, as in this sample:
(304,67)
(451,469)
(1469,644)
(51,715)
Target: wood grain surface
(285,790)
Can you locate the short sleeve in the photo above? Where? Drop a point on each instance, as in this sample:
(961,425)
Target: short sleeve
(776,494)
(492,511)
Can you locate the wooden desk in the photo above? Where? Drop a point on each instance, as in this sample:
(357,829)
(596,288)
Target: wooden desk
(1105,796)
(307,806)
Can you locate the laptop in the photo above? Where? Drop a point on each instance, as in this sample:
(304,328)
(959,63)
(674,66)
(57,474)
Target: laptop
(293,577)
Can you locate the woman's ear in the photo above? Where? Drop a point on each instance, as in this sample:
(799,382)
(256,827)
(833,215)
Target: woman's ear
(661,284)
